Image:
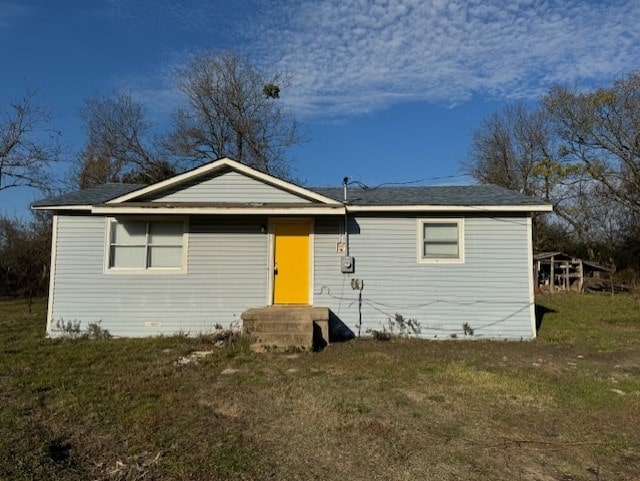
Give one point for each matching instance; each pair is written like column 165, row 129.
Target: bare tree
column 233, row 111
column 517, row 148
column 28, row 142
column 578, row 150
column 508, row 148
column 601, row 130
column 119, row 144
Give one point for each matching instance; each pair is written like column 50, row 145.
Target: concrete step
column 284, row 339
column 287, row 326
column 287, row 313
column 255, row 326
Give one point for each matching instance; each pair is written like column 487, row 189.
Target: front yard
column 565, row 407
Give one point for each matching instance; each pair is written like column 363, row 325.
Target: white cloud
column 354, row 56
column 358, row 56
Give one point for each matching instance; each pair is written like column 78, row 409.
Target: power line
column 364, row 186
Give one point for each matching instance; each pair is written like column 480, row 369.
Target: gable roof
column 134, row 198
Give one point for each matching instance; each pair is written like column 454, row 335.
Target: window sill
column 440, row 261
column 146, row 272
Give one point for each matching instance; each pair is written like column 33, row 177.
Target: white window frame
column 440, row 260
column 182, row 269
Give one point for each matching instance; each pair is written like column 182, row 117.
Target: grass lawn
column 564, row 407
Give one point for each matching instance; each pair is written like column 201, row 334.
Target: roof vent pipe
column 345, row 182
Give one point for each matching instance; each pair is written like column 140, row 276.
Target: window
column 441, row 241
column 146, row 245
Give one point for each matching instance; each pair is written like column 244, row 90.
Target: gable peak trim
column 217, row 166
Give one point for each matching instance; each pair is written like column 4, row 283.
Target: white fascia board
column 450, row 208
column 211, row 167
column 124, row 209
column 62, row 207
column 216, row 166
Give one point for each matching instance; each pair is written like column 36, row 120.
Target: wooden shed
column 555, row 271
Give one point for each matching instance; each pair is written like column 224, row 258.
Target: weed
column 68, row 328
column 73, row 330
column 397, row 327
column 381, row 335
column 466, row 328
column 220, row 336
column 96, row 331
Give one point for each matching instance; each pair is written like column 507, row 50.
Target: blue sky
column 388, row 91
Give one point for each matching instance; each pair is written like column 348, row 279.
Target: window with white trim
column 441, row 241
column 157, row 245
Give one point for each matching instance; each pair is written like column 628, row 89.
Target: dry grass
column 565, row 407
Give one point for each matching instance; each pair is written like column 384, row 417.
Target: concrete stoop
column 284, row 327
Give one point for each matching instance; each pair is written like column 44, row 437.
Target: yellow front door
column 291, row 270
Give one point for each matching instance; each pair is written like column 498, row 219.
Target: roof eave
column 450, row 208
column 109, row 209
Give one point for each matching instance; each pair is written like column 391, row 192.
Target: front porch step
column 304, row 327
column 280, row 327
column 282, row 339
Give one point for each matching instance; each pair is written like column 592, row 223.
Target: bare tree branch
column 118, row 146
column 28, row 142
column 601, row 130
column 233, row 111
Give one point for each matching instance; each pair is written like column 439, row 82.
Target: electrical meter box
column 347, row 264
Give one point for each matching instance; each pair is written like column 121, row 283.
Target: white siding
column 489, row 291
column 228, row 187
column 226, row 274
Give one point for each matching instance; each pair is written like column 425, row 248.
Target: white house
column 202, row 247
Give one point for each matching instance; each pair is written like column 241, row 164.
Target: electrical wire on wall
column 389, row 310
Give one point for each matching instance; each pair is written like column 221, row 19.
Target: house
column 560, row 271
column 203, row 247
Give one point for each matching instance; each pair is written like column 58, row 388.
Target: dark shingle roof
column 462, row 195
column 93, row 195
column 465, row 195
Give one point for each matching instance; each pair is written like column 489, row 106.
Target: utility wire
column 364, row 186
